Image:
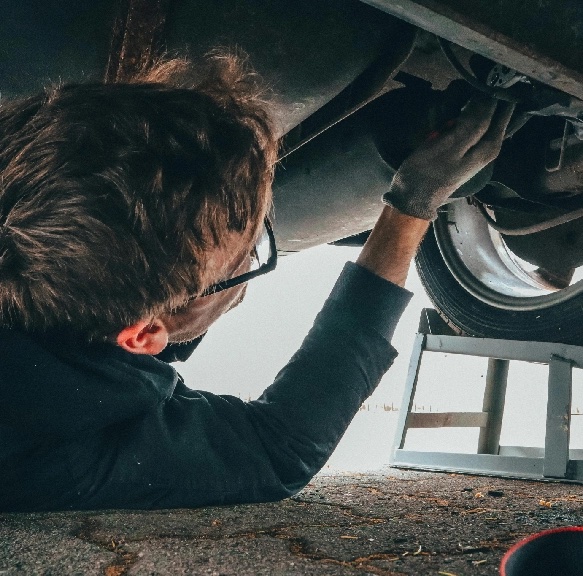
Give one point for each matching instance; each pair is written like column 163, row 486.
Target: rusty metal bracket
column 553, row 164
column 138, row 37
column 492, row 30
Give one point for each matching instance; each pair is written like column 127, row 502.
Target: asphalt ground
column 389, row 523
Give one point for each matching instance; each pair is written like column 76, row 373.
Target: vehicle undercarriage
column 357, row 86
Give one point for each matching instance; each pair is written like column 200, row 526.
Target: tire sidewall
column 466, row 314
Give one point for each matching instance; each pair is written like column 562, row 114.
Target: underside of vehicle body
column 357, row 86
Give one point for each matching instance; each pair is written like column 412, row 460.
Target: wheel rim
column 479, row 259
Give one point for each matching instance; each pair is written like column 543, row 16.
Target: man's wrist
column 415, row 203
column 392, row 245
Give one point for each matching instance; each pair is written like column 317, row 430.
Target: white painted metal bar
column 556, row 457
column 504, row 349
column 493, row 405
column 409, row 392
column 538, row 452
column 471, row 463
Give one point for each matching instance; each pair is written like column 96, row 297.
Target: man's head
column 116, row 201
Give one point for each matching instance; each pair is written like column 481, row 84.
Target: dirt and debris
column 393, row 523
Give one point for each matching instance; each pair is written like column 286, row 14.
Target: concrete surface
column 390, row 523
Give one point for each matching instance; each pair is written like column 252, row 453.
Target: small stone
column 495, row 493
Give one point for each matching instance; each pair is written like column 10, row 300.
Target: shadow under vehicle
column 359, row 85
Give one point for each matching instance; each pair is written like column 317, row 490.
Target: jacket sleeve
column 302, row 416
column 198, row 448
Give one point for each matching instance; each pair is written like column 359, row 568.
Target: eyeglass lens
column 262, row 251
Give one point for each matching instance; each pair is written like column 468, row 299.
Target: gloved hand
column 435, row 170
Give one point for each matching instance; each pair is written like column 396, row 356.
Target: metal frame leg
column 558, row 418
column 409, row 393
column 494, row 400
column 555, row 462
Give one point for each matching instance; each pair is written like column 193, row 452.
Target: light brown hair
column 111, row 194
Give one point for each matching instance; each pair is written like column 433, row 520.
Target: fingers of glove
column 469, row 128
column 472, row 125
column 488, row 148
column 445, row 163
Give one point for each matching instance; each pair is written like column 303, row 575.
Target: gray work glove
column 434, row 171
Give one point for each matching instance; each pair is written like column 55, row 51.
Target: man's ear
column 144, row 337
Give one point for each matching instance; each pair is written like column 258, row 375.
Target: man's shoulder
column 50, row 383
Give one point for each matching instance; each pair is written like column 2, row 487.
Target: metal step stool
column 555, row 461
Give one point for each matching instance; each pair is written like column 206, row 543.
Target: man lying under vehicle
column 131, row 218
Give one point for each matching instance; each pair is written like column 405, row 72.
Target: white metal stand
column 555, row 461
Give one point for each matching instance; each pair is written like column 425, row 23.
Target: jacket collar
column 57, row 384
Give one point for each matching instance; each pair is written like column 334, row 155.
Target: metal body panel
column 53, row 41
column 308, row 52
column 330, row 188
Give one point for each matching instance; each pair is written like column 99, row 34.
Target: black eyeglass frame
column 242, row 278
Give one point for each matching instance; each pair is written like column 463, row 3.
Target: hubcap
column 480, row 260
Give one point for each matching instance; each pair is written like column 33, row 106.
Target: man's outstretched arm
column 188, row 448
column 348, row 368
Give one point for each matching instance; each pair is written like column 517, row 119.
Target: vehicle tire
column 481, row 289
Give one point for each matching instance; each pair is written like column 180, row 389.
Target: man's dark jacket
column 86, row 426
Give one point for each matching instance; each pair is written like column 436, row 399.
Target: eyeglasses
column 263, row 260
